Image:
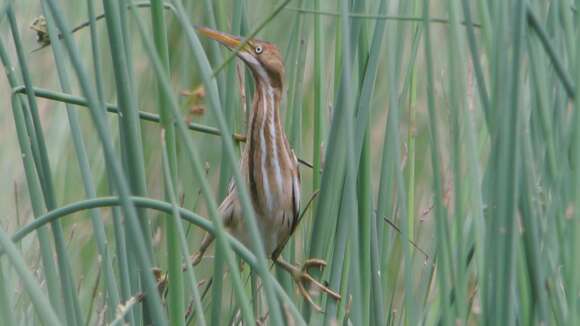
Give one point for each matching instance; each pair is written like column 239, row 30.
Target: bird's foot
column 161, row 281
column 306, row 282
column 196, row 258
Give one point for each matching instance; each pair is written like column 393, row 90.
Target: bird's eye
column 259, row 49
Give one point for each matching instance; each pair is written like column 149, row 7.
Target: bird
column 268, row 166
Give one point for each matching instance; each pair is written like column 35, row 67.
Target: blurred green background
column 450, row 179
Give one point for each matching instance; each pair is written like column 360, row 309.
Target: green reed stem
column 178, row 226
column 34, row 188
column 160, row 206
column 82, row 157
column 72, row 307
column 40, row 301
column 132, row 223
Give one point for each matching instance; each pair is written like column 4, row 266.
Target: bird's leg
column 304, row 280
column 205, row 243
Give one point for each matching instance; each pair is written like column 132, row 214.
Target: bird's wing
column 231, row 186
column 295, row 209
column 228, row 206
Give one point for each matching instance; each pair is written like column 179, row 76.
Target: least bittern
column 268, row 164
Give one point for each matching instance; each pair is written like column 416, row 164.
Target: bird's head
column 263, row 58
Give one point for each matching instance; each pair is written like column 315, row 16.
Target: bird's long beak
column 226, row 39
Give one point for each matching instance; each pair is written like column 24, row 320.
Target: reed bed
column 439, row 142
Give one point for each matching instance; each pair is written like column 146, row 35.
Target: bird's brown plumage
column 268, row 164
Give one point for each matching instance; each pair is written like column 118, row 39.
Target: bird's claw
column 305, row 281
column 313, row 263
column 196, row 259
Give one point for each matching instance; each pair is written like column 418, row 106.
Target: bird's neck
column 266, row 107
column 269, row 155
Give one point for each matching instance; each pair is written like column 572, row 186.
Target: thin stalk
column 540, row 82
column 176, row 303
column 129, row 120
column 529, row 212
column 505, row 155
column 318, row 120
column 385, row 197
column 456, row 82
column 130, row 132
column 369, row 72
column 411, row 139
column 132, row 223
column 160, row 206
column 394, row 62
column 319, row 100
column 92, row 23
column 487, row 26
column 6, row 305
column 82, row 157
column 476, row 62
column 574, row 260
column 443, row 267
column 363, row 178
column 39, row 300
column 349, row 191
column 72, row 306
column 474, row 170
column 337, row 265
column 34, row 188
column 338, row 185
column 211, row 88
column 534, row 22
column 119, row 230
column 215, row 55
column 231, row 97
column 217, row 288
column 143, row 115
column 317, row 12
column 296, row 90
column 178, row 226
column 377, row 291
column 365, row 213
column 295, row 56
column 332, row 188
